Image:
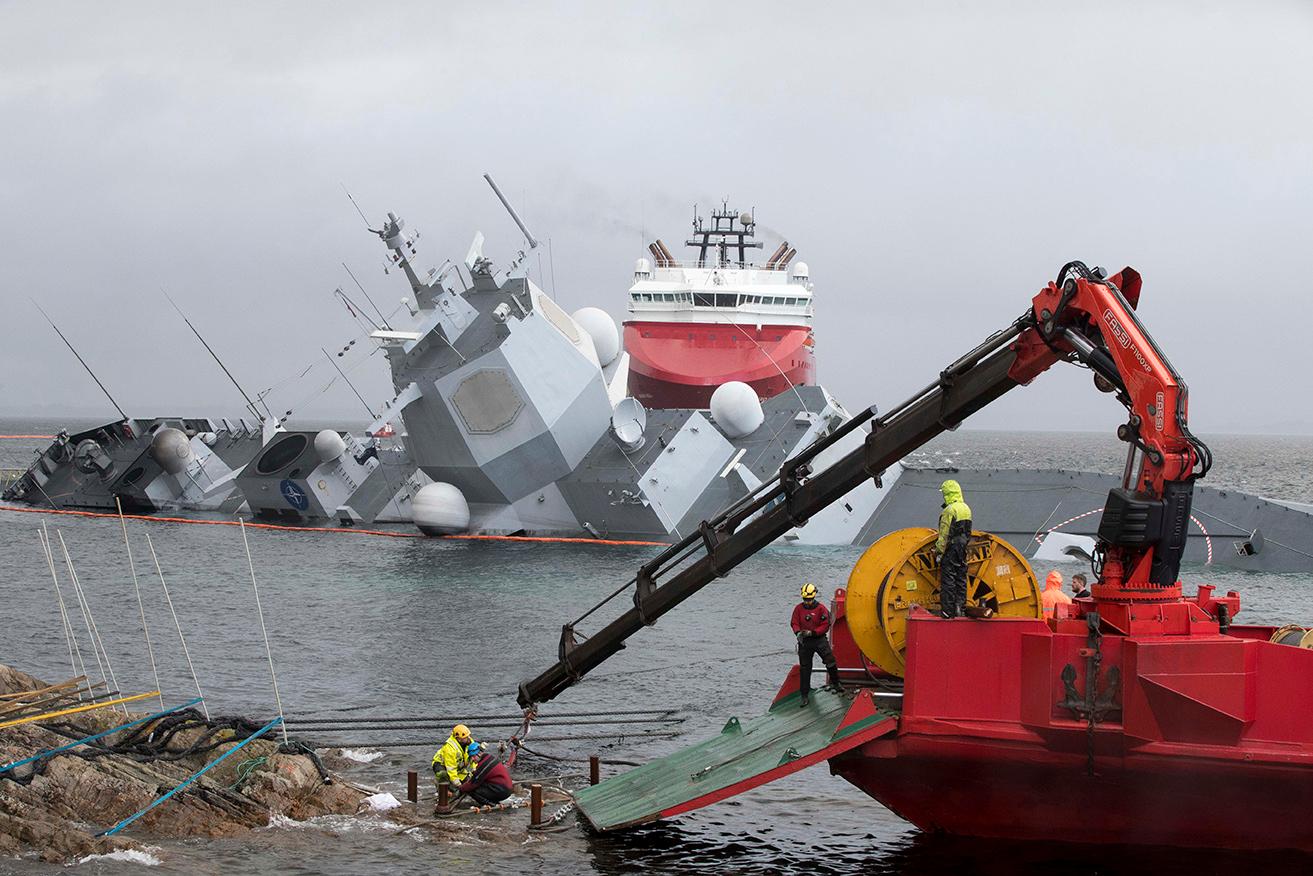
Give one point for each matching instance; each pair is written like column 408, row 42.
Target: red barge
column 1152, row 715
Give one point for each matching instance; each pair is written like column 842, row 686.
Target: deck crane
column 1084, row 317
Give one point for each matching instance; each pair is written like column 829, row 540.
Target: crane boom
column 1067, row 320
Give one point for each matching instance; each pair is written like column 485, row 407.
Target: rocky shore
column 71, row 797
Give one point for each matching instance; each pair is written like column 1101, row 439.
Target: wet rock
column 58, row 813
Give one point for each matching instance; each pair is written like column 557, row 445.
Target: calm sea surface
column 429, row 627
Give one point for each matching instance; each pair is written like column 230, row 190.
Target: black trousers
column 486, row 795
column 807, row 647
column 953, row 577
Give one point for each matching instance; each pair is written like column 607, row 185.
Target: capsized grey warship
column 526, row 417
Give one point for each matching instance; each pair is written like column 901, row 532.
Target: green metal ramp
column 745, row 755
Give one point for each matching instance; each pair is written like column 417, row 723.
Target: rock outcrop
column 58, row 812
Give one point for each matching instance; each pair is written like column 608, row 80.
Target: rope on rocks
column 192, row 778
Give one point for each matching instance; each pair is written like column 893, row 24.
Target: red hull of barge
column 1206, row 741
column 680, row 364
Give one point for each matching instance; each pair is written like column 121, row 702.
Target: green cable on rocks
column 245, row 769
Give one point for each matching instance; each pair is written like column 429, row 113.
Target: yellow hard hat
column 809, row 591
column 460, row 731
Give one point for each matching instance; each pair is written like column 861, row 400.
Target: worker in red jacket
column 489, row 781
column 811, row 621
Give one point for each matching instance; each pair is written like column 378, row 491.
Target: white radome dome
column 801, row 271
column 440, row 509
column 736, row 409
column 601, row 328
column 171, row 449
column 329, row 445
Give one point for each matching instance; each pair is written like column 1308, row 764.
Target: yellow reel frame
column 902, row 569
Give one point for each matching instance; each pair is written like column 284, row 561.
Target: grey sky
column 934, row 168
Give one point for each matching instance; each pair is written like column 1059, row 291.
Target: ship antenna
column 366, row 294
column 357, row 206
column 533, row 241
column 80, row 359
column 249, row 404
column 342, row 374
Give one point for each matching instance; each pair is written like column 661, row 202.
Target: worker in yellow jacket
column 452, row 760
column 954, row 535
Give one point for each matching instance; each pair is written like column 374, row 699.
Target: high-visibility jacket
column 1053, row 596
column 453, row 759
column 956, row 516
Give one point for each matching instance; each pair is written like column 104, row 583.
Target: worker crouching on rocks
column 452, row 761
column 489, row 781
column 811, row 621
column 954, row 535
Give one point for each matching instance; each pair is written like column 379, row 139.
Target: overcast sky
column 933, row 164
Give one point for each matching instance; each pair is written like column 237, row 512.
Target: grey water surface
column 409, row 626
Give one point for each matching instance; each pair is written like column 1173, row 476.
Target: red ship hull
column 679, row 364
column 1201, row 739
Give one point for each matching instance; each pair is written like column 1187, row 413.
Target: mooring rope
column 264, row 632
column 185, row 653
column 69, row 632
column 92, row 633
column 141, row 607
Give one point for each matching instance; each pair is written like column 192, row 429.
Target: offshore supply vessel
column 1152, row 714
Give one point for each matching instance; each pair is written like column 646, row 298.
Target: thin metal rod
column 250, row 404
column 533, row 241
column 141, row 607
column 367, row 297
column 63, row 611
column 87, row 618
column 333, row 362
column 81, row 360
column 259, row 611
column 185, row 653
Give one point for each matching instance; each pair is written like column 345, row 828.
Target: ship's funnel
column 775, row 256
column 670, row 260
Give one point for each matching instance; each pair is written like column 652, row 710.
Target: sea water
column 409, row 627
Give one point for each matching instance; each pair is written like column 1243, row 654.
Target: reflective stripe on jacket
column 955, row 511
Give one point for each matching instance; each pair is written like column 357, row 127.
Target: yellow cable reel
column 902, row 569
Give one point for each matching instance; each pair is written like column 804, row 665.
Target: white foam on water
column 131, row 856
column 335, row 823
column 360, row 755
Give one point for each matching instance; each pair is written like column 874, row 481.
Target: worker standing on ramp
column 811, row 621
column 954, row 534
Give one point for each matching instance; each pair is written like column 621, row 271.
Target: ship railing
column 692, row 264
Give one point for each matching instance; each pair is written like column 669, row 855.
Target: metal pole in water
column 259, row 611
column 86, row 619
column 177, row 626
column 535, row 805
column 412, row 786
column 150, row 649
column 444, row 794
column 594, row 769
column 59, row 596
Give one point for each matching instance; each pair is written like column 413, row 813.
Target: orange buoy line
column 344, row 530
column 21, row 437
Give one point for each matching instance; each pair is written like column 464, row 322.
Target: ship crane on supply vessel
column 1084, row 317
